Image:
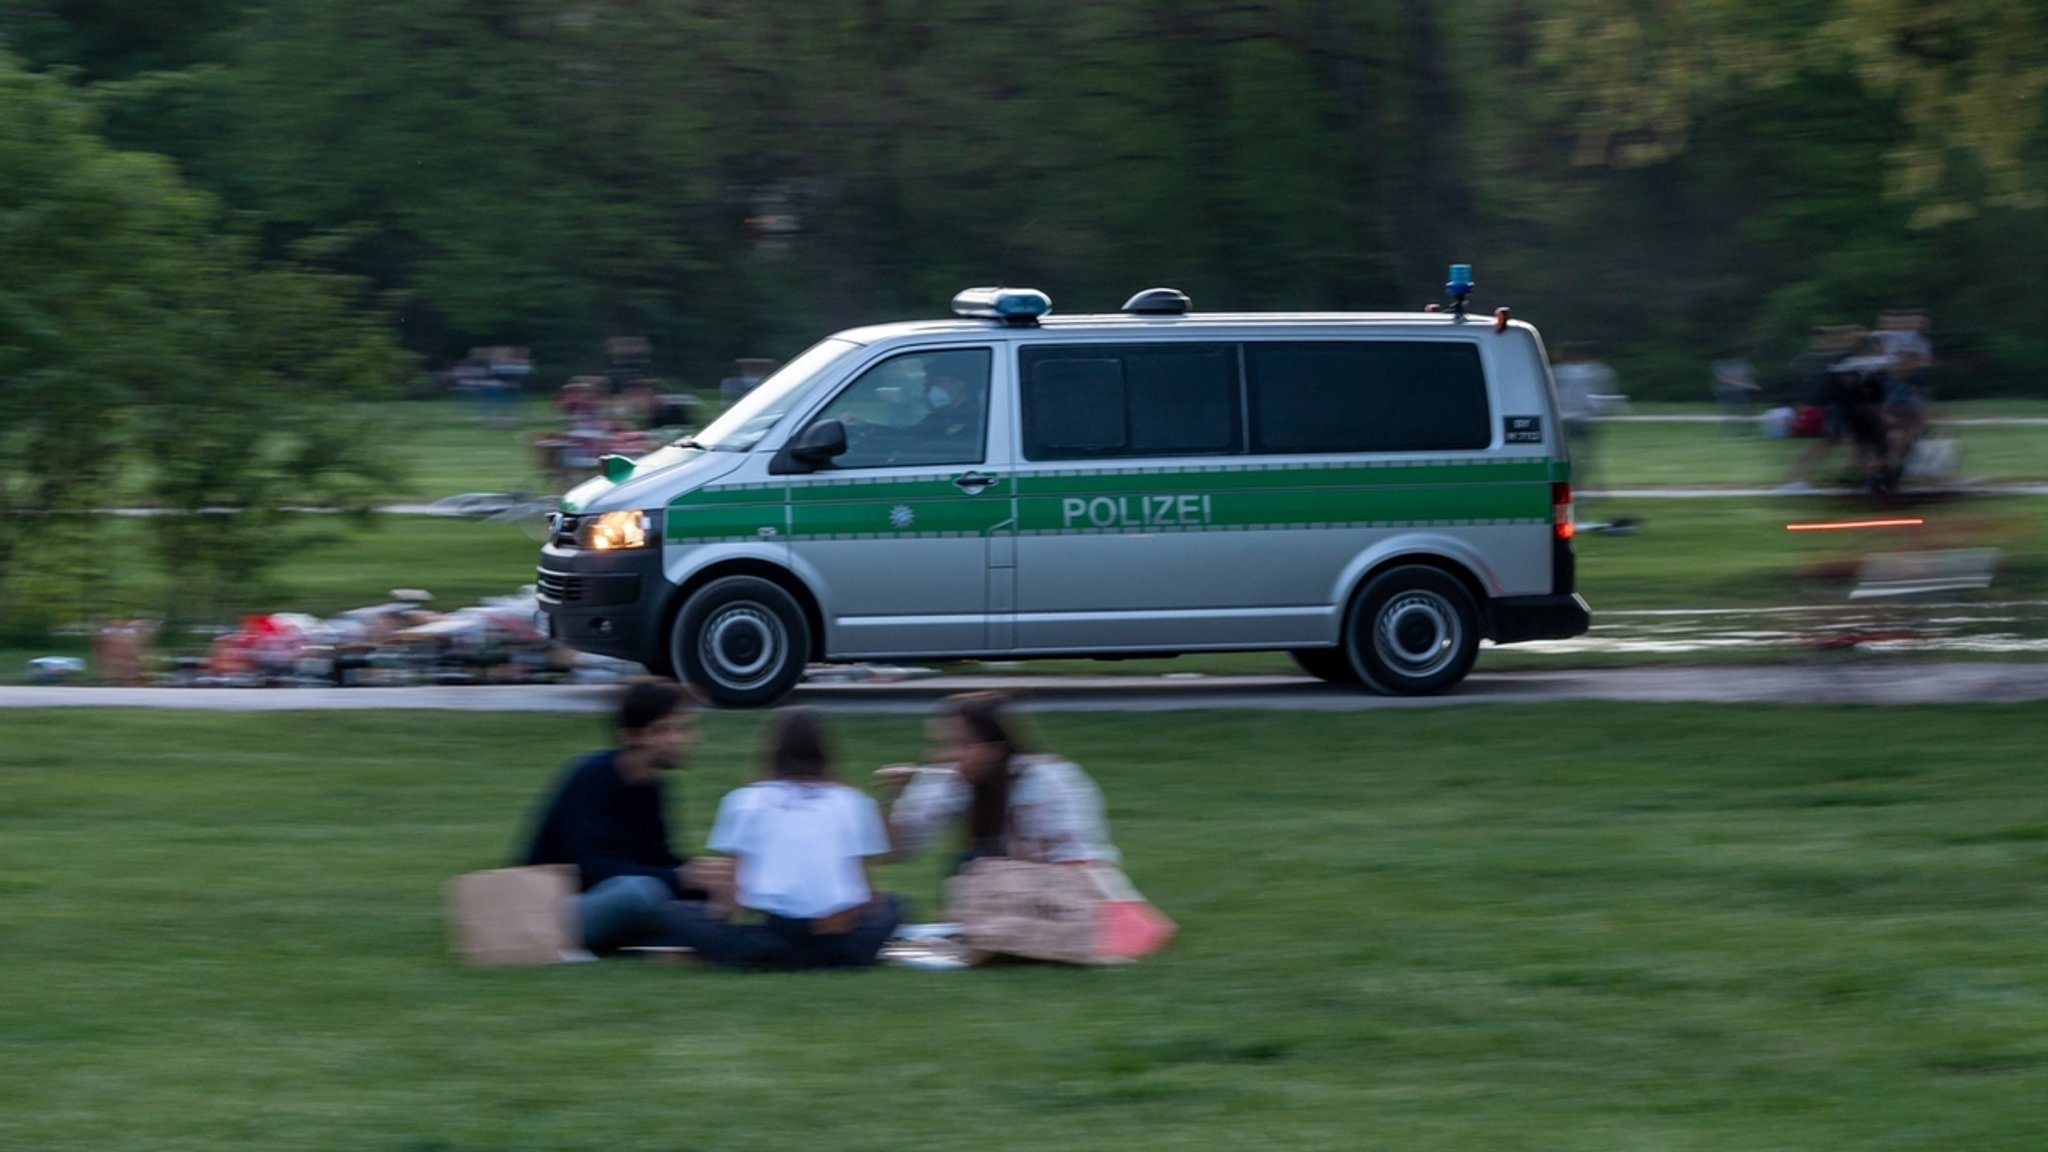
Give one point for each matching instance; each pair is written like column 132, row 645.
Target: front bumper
column 1519, row 618
column 609, row 603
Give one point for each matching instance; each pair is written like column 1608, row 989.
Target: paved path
column 1703, row 492
column 1823, row 682
column 1678, row 418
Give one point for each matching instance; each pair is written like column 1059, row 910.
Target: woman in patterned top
column 1004, row 800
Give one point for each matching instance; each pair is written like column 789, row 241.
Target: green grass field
column 1686, row 455
column 1689, row 553
column 1588, row 927
column 446, row 450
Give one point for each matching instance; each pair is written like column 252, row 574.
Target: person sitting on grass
column 803, row 843
column 608, row 817
column 1002, row 800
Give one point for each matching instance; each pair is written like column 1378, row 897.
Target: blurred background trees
column 149, row 355
column 225, row 221
column 1673, row 180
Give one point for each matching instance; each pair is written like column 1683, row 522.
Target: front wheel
column 743, row 641
column 1413, row 632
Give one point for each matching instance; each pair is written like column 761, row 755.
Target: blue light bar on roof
column 1010, row 305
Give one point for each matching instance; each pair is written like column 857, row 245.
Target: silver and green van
column 1372, row 493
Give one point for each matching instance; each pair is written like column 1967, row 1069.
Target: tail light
column 1561, row 509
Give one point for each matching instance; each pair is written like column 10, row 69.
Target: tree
column 1665, row 176
column 137, row 337
column 1690, row 178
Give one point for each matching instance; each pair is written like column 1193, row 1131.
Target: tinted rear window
column 1367, row 396
column 1088, row 401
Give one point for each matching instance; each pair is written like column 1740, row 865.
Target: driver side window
column 918, row 408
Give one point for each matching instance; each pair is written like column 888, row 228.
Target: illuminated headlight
column 615, row 530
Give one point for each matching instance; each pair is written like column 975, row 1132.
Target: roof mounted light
column 1459, row 287
column 1010, row 305
column 1158, row 302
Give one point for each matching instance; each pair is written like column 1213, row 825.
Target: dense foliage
column 149, row 356
column 218, row 215
column 1672, row 180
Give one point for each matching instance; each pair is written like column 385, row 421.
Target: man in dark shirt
column 608, row 817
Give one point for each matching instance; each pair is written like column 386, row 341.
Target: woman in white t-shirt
column 803, row 844
column 1003, row 800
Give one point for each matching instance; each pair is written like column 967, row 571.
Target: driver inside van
column 953, row 400
column 955, row 391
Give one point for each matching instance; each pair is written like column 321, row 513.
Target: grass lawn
column 1739, row 553
column 1691, row 553
column 1676, row 928
column 1683, row 455
column 1999, row 406
column 1688, row 554
column 459, row 561
column 448, row 450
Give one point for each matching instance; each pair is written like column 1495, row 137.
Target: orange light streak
column 1843, row 525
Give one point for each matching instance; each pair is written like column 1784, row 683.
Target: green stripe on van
column 1238, row 499
column 1130, row 499
column 733, row 512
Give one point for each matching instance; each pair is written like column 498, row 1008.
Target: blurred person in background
column 1581, row 383
column 581, row 400
column 804, row 845
column 1862, row 382
column 1902, row 334
column 750, row 372
column 608, row 816
column 469, row 378
column 571, row 452
column 626, row 359
column 1819, row 397
column 637, row 406
column 986, row 787
column 505, row 374
column 1735, row 392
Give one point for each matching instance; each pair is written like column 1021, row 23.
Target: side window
column 1094, row 401
column 918, row 408
column 1367, row 396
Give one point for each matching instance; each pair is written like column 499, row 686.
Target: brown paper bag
column 515, row 916
column 1070, row 913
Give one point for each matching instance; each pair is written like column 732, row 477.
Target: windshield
column 754, row 414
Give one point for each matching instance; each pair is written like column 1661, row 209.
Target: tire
column 742, row 641
column 1331, row 664
column 1414, row 631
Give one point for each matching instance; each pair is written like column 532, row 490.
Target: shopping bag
column 1127, row 926
column 1069, row 913
column 515, row 916
column 1933, row 459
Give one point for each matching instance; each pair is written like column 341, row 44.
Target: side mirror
column 816, row 446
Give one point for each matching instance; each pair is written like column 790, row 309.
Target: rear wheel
column 1414, row 631
column 1331, row 664
column 742, row 641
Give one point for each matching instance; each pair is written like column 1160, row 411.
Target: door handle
column 973, row 482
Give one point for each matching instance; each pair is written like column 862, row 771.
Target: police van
column 1371, row 493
